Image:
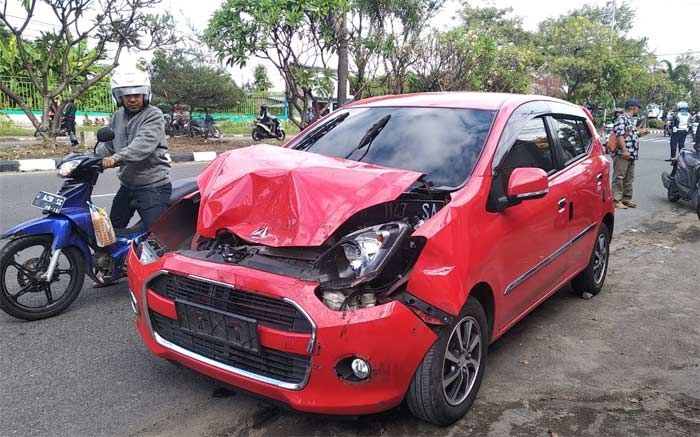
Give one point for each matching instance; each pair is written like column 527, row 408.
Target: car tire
column 592, row 278
column 426, row 397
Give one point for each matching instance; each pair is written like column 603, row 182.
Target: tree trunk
column 342, row 59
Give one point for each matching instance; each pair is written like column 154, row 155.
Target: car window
column 442, row 143
column 571, row 140
column 532, row 148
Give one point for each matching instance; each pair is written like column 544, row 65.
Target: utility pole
column 612, row 23
column 342, row 75
column 612, row 38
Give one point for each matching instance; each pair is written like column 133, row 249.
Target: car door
column 583, row 176
column 534, row 231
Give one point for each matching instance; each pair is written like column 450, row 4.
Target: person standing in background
column 69, row 115
column 626, row 154
column 679, row 129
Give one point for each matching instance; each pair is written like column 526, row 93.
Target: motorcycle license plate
column 239, row 331
column 49, row 202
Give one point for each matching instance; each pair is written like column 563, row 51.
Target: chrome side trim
column 312, row 341
column 221, row 366
column 225, row 367
column 526, row 196
column 545, row 262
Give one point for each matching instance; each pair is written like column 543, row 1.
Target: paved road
column 86, row 371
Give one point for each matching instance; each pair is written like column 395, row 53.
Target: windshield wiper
column 369, row 136
column 320, row 131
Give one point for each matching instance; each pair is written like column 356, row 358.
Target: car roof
column 462, row 100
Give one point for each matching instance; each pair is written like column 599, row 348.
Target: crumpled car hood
column 283, row 197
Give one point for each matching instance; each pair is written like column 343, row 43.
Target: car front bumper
column 389, row 336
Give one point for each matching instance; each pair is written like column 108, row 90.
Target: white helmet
column 682, row 105
column 126, row 82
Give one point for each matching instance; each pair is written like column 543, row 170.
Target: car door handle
column 561, row 205
column 599, row 178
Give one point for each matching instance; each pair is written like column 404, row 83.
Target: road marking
column 204, row 156
column 36, row 164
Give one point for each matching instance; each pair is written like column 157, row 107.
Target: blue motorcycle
column 44, row 263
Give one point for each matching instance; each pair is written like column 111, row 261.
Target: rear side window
column 574, row 138
column 531, row 149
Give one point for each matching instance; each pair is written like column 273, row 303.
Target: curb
column 29, row 165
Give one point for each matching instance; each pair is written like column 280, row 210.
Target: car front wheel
column 592, row 278
column 447, row 381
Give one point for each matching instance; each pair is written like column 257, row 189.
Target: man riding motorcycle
column 272, row 122
column 139, row 150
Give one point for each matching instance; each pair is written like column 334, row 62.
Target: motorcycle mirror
column 105, row 134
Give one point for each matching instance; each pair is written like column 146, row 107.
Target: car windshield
column 443, row 143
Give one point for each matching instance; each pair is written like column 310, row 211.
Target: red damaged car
column 375, row 257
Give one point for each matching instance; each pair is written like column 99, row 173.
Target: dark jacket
column 69, row 111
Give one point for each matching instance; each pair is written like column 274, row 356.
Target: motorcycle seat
column 182, row 187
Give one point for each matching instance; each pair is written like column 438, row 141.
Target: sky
column 667, row 24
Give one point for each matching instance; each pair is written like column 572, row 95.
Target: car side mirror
column 527, row 183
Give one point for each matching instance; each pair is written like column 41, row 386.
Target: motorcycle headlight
column 64, row 170
column 360, row 257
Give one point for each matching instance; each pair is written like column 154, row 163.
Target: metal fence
column 95, row 99
column 98, row 99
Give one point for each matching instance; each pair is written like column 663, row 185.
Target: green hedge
column 655, row 123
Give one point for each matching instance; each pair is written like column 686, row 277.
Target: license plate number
column 238, row 331
column 49, row 202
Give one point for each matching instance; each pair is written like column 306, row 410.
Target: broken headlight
column 360, row 257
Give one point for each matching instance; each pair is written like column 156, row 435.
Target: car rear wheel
column 447, row 381
column 592, row 278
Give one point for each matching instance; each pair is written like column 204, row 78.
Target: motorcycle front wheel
column 22, row 293
column 256, row 135
column 280, row 134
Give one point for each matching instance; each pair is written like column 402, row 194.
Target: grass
column 9, row 129
column 89, row 128
column 244, row 128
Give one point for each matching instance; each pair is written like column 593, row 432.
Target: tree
column 290, row 34
column 603, row 15
column 262, row 82
column 69, row 60
column 404, row 23
column 178, row 78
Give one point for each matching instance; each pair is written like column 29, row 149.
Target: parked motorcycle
column 684, row 180
column 177, row 126
column 262, row 131
column 606, row 136
column 42, row 266
column 204, row 128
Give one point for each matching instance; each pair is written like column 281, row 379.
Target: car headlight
column 64, row 170
column 147, row 253
column 360, row 256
